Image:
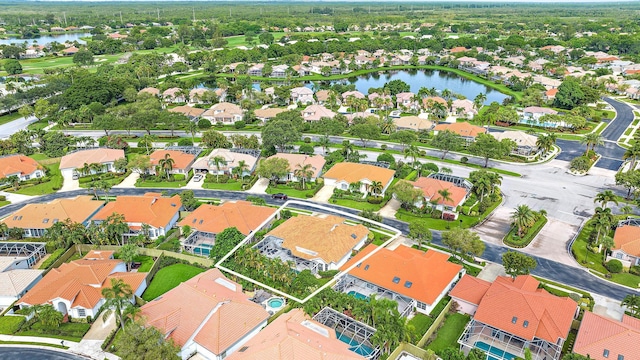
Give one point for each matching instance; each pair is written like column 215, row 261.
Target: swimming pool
column 202, row 249
column 494, row 353
column 354, row 345
column 358, row 296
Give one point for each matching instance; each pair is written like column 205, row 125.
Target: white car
column 197, row 177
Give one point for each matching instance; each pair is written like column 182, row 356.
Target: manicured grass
column 110, row 178
column 32, row 343
column 146, row 262
column 360, row 205
column 4, row 203
column 512, row 239
column 448, row 334
column 160, row 184
column 232, row 186
column 10, row 324
column 437, row 224
column 66, row 331
column 290, row 191
column 45, row 187
column 421, row 323
column 9, row 117
column 169, row 277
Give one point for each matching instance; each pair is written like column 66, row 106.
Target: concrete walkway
column 15, row 198
column 129, row 181
column 37, row 339
column 323, row 195
column 260, row 187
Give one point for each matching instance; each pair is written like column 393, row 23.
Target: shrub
column 306, row 149
column 3, row 198
column 635, row 270
column 383, row 147
column 240, row 124
column 436, row 214
column 374, row 199
column 386, row 158
column 185, row 142
column 615, row 266
column 431, row 167
column 204, row 124
column 464, row 160
column 307, row 140
column 52, row 258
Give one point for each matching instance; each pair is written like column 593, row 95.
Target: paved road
column 549, row 269
column 16, row 353
column 14, row 126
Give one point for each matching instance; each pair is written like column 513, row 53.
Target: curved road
column 549, row 269
column 13, row 353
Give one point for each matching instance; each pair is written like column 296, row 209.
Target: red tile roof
column 17, row 164
column 430, row 188
column 242, row 215
column 627, row 239
column 598, row 333
column 462, row 129
column 470, row 289
column 151, row 209
column 427, row 274
column 182, row 161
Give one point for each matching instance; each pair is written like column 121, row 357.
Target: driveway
column 68, row 184
column 324, row 194
column 192, row 184
column 552, row 242
column 496, row 226
column 129, row 181
column 15, row 198
column 260, row 187
column 390, row 209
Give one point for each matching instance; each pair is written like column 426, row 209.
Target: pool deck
column 514, row 351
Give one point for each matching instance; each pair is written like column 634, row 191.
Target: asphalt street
column 16, row 353
column 14, row 126
column 551, row 270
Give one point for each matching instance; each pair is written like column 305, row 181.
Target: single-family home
column 196, row 95
column 626, row 246
column 255, row 70
column 303, row 95
column 35, row 219
column 604, row 338
column 191, row 112
column 174, row 95
column 227, row 160
column 295, row 335
column 341, row 175
column 15, row 283
column 432, row 189
column 463, row 108
column 550, row 94
column 181, row 161
column 208, row 315
column 299, row 161
column 315, row 243
column 322, row 97
column 536, row 112
column 224, row 112
column 24, row 167
column 317, row 112
column 150, row 90
column 384, row 103
column 526, row 145
column 415, row 123
column 463, row 129
column 265, row 115
column 279, row 71
column 151, row 212
column 510, row 315
column 74, row 162
column 406, row 100
column 70, row 50
column 355, row 94
column 415, row 279
column 75, row 288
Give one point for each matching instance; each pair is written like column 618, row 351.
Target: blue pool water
column 354, row 345
column 202, row 249
column 494, row 353
column 275, row 303
column 358, row 296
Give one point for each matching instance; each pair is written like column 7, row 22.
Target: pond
column 416, row 79
column 46, row 39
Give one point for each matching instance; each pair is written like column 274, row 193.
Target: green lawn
column 4, row 203
column 146, row 262
column 290, row 191
column 169, row 277
column 10, row 324
column 66, row 331
column 448, row 334
column 233, row 186
column 360, row 205
column 421, row 323
column 160, row 184
column 9, row 117
column 45, row 187
column 32, row 343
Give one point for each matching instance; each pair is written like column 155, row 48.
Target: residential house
column 192, row 113
column 432, row 187
column 510, row 315
column 15, row 283
column 230, row 161
column 207, row 315
column 550, row 94
column 317, row 112
column 536, row 112
column 626, row 246
column 343, row 174
column 465, row 130
column 315, row 243
column 415, row 279
column 224, row 112
column 150, row 90
column 303, row 95
column 71, row 50
column 386, row 102
column 150, row 212
column 406, row 100
column 603, row 338
column 279, row 71
column 295, row 334
column 181, row 161
column 75, row 288
column 196, row 95
column 265, row 115
column 24, row 167
column 174, row 95
column 255, row 70
column 458, row 49
column 322, row 97
column 356, row 94
column 526, row 145
column 75, row 161
column 298, row 161
column 415, row 123
column 35, row 219
column 464, row 108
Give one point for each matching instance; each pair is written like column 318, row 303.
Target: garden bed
column 513, row 240
column 110, row 178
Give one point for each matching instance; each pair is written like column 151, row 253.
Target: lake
column 416, row 79
column 46, row 39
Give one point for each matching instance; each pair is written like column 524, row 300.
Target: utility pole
column 64, row 13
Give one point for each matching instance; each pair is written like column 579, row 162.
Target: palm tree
column 606, row 197
column 412, row 151
column 217, row 161
column 632, row 302
column 86, row 169
column 632, row 155
column 303, row 172
column 324, row 142
column 626, row 210
column 4, row 230
column 602, row 221
column 147, row 140
column 166, row 164
column 118, row 298
column 592, row 140
column 14, row 180
column 387, row 126
column 523, row 217
column 546, row 142
column 479, row 100
column 105, row 186
column 376, row 188
column 95, row 168
column 445, row 195
column 192, row 128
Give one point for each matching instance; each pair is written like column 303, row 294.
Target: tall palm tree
column 118, row 298
column 148, row 141
column 632, row 302
column 217, row 161
column 445, row 195
column 546, row 142
column 242, row 167
column 592, row 140
column 95, row 168
column 192, row 128
column 167, row 164
column 86, row 169
column 479, row 100
column 632, row 155
column 413, row 152
column 376, row 188
column 387, row 126
column 324, row 142
column 303, row 172
column 523, row 217
column 606, row 197
column 602, row 221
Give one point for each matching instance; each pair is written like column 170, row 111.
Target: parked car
column 279, row 196
column 75, row 176
column 197, row 177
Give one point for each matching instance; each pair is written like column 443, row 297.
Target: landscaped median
column 513, row 239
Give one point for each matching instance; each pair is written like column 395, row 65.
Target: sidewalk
column 15, row 198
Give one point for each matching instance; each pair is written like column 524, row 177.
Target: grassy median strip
column 512, row 239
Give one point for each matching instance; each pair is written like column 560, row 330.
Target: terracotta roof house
column 188, row 111
column 75, row 288
column 315, row 243
column 411, row 277
column 231, row 161
column 182, row 161
column 550, row 94
column 74, row 162
column 431, row 188
column 70, row 50
column 303, row 95
column 24, row 167
column 224, row 112
column 526, row 145
column 207, row 314
column 174, row 95
column 356, row 94
column 467, row 131
column 322, row 96
column 413, row 123
column 341, row 175
column 626, row 246
column 457, row 49
column 603, row 338
column 35, row 219
column 265, row 115
column 150, row 90
column 209, row 220
column 510, row 315
column 159, row 213
column 317, row 112
column 295, row 336
column 297, row 161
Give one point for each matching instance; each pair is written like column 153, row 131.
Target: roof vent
column 396, row 280
column 514, row 320
column 44, row 221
